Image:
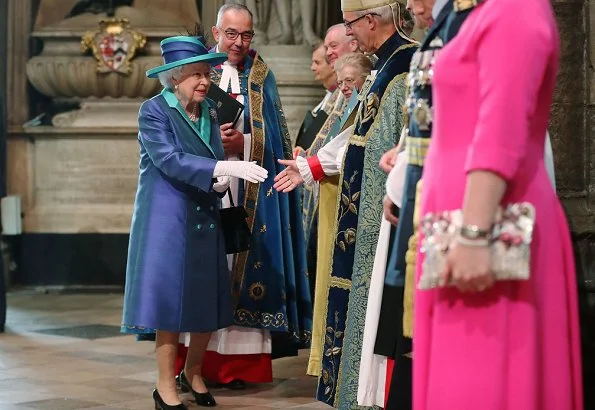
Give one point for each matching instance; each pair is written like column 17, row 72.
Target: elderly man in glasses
column 269, row 283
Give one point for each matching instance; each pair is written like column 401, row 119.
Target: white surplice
column 372, row 370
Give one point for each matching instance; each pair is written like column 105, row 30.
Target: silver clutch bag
column 510, row 244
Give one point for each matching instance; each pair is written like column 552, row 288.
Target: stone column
column 18, row 30
column 5, row 278
column 208, row 14
column 19, row 27
column 3, row 52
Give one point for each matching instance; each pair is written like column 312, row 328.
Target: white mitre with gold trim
column 359, row 5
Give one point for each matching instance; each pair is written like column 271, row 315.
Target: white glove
column 222, row 184
column 246, row 170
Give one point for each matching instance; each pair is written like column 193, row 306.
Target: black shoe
column 161, row 405
column 235, row 384
column 202, row 399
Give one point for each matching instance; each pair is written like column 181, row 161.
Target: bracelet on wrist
column 473, row 243
column 474, row 232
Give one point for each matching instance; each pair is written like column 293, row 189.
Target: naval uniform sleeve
column 510, row 76
column 157, row 138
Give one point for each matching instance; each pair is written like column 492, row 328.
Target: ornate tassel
column 410, row 259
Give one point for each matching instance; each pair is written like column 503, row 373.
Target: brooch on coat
column 422, row 113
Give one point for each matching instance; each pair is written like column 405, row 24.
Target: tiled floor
column 65, row 352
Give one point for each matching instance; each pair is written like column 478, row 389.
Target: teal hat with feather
column 181, row 50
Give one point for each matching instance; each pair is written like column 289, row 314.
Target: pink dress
column 515, row 346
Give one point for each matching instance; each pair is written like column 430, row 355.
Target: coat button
column 199, row 227
column 198, row 208
column 212, row 226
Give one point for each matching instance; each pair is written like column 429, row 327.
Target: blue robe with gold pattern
column 269, row 283
column 359, row 214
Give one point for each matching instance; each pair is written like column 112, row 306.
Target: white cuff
column 304, row 168
column 395, row 183
column 247, row 146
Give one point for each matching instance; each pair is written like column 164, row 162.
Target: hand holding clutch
column 222, row 184
column 509, row 248
column 246, row 170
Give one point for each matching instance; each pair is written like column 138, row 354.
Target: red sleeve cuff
column 315, row 168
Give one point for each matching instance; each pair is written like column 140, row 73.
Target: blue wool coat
column 177, row 277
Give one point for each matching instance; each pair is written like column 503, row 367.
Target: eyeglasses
column 349, row 24
column 232, row 35
column 349, row 82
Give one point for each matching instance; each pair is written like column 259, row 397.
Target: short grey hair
column 392, row 14
column 356, row 60
column 232, row 6
column 166, row 77
column 336, row 26
column 384, row 13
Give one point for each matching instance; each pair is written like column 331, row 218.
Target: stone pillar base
column 101, row 113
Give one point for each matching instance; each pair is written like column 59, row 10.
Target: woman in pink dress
column 486, row 345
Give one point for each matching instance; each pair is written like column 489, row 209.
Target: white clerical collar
column 226, row 62
column 438, row 6
column 230, row 80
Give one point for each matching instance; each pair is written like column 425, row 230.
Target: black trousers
column 401, row 386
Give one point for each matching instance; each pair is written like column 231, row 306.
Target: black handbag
column 236, row 231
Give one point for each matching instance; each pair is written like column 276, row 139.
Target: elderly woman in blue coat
column 177, row 279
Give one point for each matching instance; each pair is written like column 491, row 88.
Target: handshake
column 246, row 170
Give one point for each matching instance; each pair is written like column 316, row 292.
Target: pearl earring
column 176, row 87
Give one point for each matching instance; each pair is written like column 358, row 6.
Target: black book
column 306, row 138
column 228, row 108
column 308, row 119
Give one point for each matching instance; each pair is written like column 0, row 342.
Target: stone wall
column 572, row 125
column 573, row 130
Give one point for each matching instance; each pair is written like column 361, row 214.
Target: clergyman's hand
column 388, row 160
column 389, row 207
column 232, row 139
column 288, row 179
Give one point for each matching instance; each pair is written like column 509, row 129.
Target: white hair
column 232, row 6
column 393, row 14
column 384, row 13
column 337, row 26
column 166, row 77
